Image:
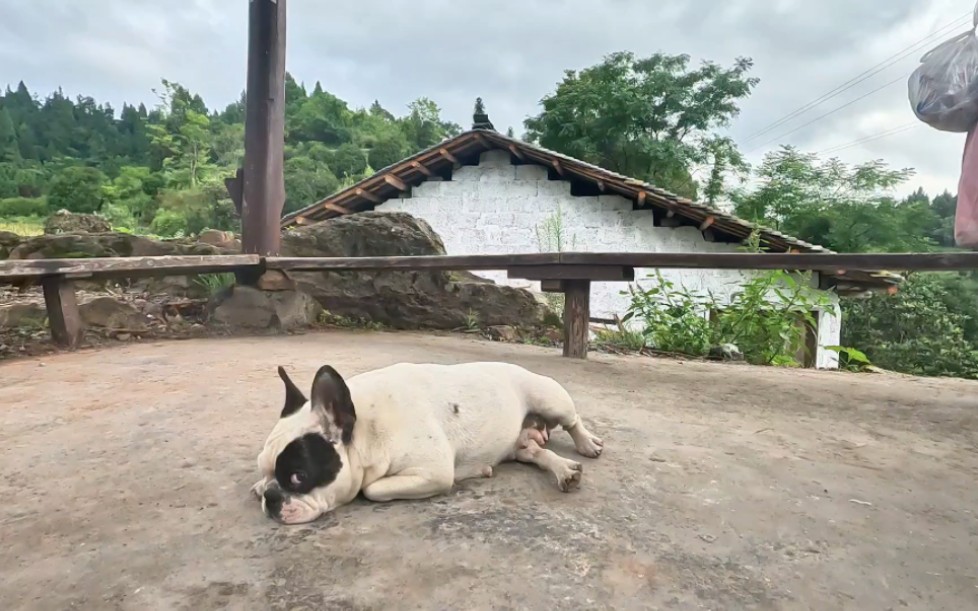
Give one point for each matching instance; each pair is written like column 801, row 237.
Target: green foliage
column 652, row 118
column 766, row 317
column 214, row 283
column 551, row 238
column 23, row 206
column 923, row 329
column 850, row 358
column 77, row 189
column 163, row 169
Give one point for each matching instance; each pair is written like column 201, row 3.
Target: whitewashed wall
column 497, row 207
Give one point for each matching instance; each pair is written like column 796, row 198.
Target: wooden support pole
column 263, row 189
column 577, row 313
column 63, row 315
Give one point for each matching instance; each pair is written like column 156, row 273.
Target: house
column 485, row 193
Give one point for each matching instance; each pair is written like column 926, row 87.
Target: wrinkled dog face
column 305, row 461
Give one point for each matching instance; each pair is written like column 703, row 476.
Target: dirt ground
column 125, row 476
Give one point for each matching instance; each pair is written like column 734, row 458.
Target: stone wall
column 497, row 207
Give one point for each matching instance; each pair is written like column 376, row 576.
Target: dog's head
column 305, row 464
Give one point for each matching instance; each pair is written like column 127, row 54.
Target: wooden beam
column 640, row 199
column 126, row 267
column 300, row 220
column 395, row 182
column 444, row 153
column 707, row 222
column 336, row 208
column 482, row 140
column 370, row 197
column 600, row 273
column 557, row 167
column 552, row 286
column 429, row 262
column 577, row 312
column 423, row 169
column 63, row 315
column 832, row 263
column 601, row 187
column 263, row 188
column 516, row 152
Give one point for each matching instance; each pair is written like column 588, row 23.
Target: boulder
column 113, row 315
column 70, row 222
column 401, row 300
column 22, row 315
column 110, row 244
column 221, row 239
column 251, row 308
column 8, row 241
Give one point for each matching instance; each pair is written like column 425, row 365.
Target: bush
column 169, row 224
column 766, row 318
column 923, row 329
column 23, row 206
column 77, row 189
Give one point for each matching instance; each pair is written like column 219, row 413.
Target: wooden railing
column 569, row 273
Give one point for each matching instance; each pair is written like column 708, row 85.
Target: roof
column 438, row 160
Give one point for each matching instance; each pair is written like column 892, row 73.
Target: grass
column 23, row 226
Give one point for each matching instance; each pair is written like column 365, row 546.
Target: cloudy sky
column 513, row 53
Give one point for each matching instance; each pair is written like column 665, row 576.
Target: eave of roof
column 397, row 178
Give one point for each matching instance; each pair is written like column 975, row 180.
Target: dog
column 411, row 431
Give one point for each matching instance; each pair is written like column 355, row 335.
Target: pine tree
column 9, row 149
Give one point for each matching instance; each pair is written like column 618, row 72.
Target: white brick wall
column 496, row 208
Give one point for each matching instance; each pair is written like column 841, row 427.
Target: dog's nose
column 273, row 500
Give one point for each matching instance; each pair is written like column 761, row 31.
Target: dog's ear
column 294, row 399
column 331, row 396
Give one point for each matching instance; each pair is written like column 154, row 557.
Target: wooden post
column 63, row 315
column 263, row 184
column 577, row 313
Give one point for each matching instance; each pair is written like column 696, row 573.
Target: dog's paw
column 569, row 476
column 590, row 446
column 487, row 471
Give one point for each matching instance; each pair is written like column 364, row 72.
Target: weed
column 214, row 283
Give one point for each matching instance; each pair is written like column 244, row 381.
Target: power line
column 871, row 138
column 899, row 55
column 833, row 111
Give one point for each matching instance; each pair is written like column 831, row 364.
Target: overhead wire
column 870, row 138
column 886, row 63
column 831, row 112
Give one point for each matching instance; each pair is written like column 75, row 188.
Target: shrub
column 766, row 318
column 23, row 206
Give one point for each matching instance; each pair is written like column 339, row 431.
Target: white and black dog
column 410, row 431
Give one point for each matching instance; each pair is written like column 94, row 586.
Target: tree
column 651, row 118
column 845, row 208
column 9, row 146
column 77, row 189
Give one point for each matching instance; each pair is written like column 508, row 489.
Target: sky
column 513, row 53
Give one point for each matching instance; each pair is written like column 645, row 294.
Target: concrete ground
column 125, row 479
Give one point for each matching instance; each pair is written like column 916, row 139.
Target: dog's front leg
column 410, row 484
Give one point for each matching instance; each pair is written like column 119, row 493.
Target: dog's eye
column 297, row 478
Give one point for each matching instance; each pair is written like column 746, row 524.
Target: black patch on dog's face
column 307, row 463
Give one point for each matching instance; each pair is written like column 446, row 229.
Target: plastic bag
column 966, row 213
column 943, row 90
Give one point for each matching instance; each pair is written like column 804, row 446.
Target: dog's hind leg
column 411, row 484
column 554, row 404
column 567, row 472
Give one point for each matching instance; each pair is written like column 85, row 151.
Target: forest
column 661, row 118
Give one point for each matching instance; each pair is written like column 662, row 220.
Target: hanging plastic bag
column 943, row 90
column 966, row 213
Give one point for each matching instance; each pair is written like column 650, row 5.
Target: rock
column 22, row 315
column 275, row 280
column 404, row 299
column 69, row 222
column 503, row 333
column 114, row 315
column 215, row 237
column 75, row 245
column 250, row 308
column 8, row 241
column 726, row 352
